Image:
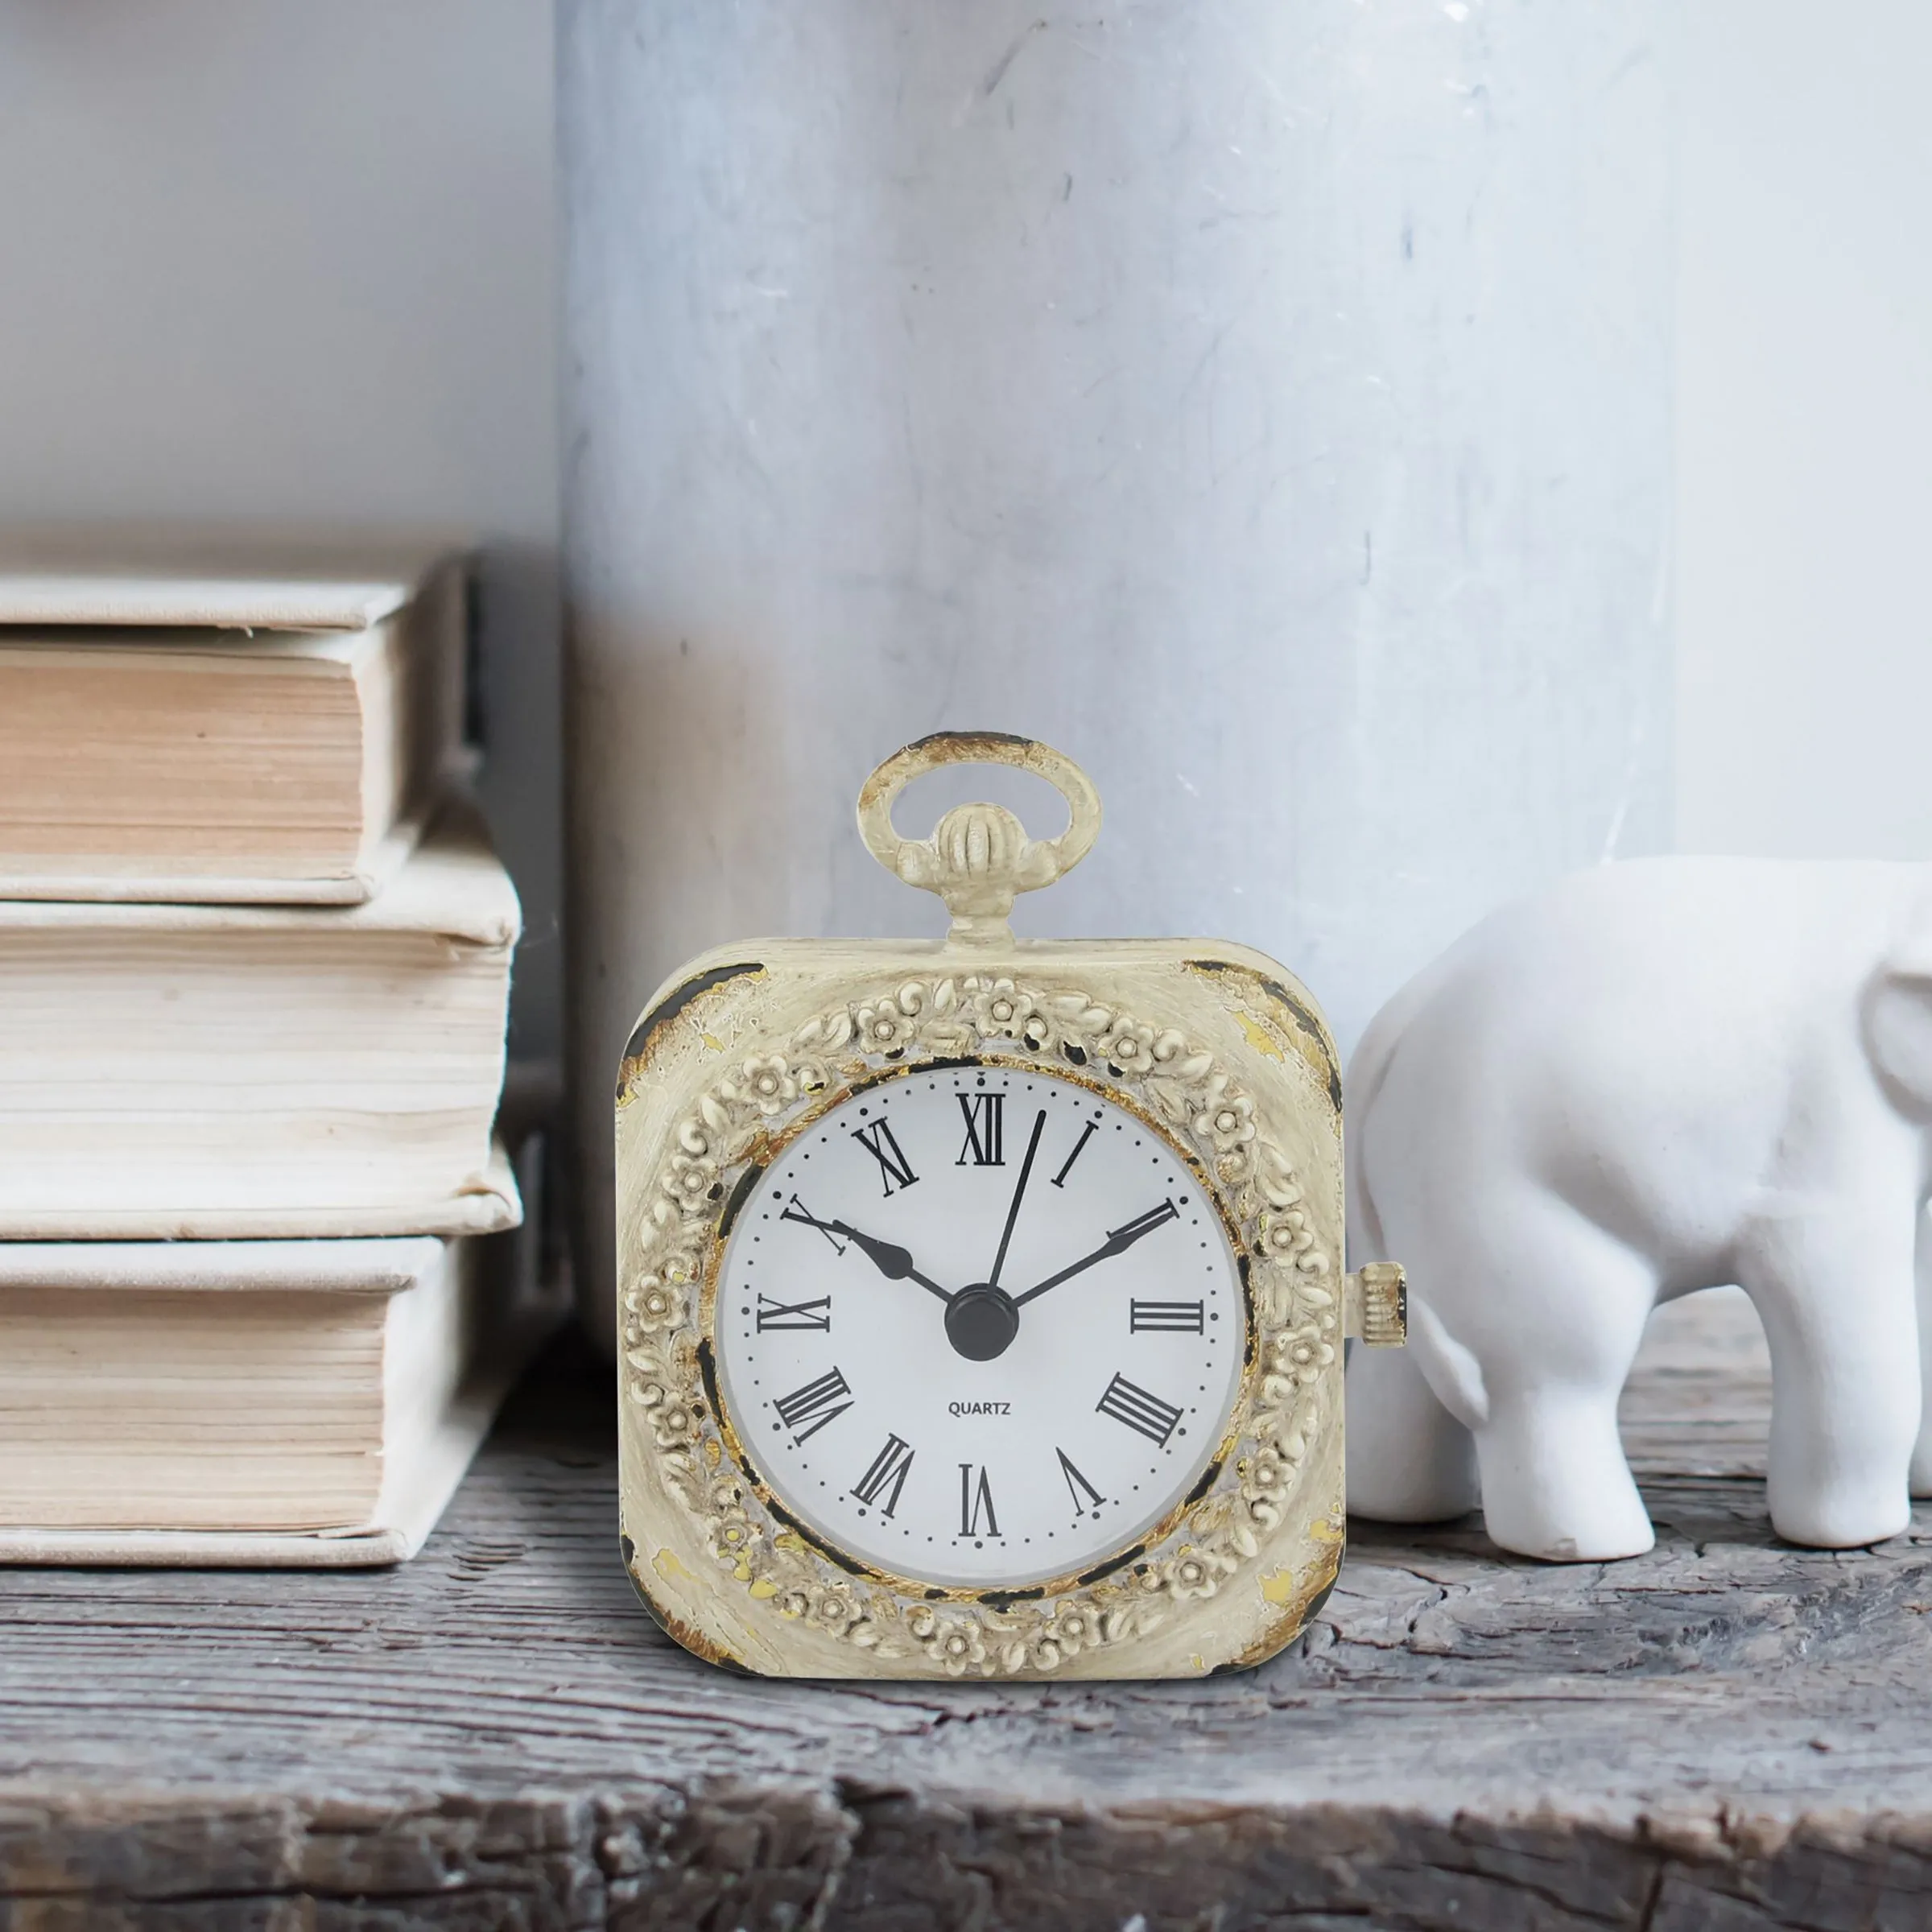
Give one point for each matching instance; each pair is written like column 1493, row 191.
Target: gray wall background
column 263, row 260
column 1804, row 425
column 267, row 259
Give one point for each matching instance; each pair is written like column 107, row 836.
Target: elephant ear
column 1898, row 1018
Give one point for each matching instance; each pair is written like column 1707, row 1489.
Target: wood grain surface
column 1726, row 1733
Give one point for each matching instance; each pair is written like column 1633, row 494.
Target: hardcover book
column 198, row 1072
column 232, row 735
column 249, row 1402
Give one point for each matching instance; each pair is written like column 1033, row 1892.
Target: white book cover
column 215, row 1072
column 190, row 575
column 307, row 1404
column 192, row 719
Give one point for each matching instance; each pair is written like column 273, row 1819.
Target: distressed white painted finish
column 1266, row 404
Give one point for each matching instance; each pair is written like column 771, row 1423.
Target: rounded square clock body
column 981, row 1300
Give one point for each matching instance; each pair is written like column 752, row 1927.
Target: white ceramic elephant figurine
column 1661, row 1075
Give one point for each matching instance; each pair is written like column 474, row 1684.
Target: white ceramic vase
column 1267, row 404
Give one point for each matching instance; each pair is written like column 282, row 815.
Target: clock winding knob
column 1375, row 1305
column 979, row 855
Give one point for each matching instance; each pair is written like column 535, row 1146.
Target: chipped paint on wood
column 669, row 1005
column 1277, row 1586
column 1259, row 1038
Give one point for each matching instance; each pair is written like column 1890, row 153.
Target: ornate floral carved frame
column 1265, row 1517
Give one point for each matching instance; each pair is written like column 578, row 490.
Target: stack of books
column 254, row 975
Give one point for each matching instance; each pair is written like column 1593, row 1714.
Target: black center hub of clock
column 981, row 1322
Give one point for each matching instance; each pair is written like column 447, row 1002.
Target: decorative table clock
column 980, row 1300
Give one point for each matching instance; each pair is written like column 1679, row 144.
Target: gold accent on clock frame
column 749, row 1046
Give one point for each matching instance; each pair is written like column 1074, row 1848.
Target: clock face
column 980, row 1327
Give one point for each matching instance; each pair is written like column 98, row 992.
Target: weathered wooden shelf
column 1727, row 1733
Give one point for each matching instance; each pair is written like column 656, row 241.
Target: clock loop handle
column 979, row 856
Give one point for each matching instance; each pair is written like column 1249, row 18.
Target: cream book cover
column 194, row 575
column 199, row 1072
column 311, row 1403
column 184, row 724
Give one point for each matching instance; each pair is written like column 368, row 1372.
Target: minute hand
column 1117, row 1243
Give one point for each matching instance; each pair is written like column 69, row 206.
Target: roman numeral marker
column 817, row 1404
column 1145, row 1224
column 975, row 1500
column 795, row 1210
column 1146, row 1414
column 986, row 1130
column 1177, row 1318
column 889, row 1465
column 1086, row 1133
column 1085, row 1496
column 795, row 1314
column 895, row 1169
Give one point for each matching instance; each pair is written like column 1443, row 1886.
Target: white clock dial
column 980, row 1327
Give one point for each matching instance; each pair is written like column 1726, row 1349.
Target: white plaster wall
column 266, row 258
column 270, row 260
column 1804, row 425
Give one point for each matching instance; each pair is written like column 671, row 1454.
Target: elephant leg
column 1555, row 1482
column 1409, row 1460
column 1533, row 1317
column 1836, row 1296
column 1920, row 1483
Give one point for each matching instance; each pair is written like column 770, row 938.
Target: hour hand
column 1117, row 1242
column 892, row 1260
